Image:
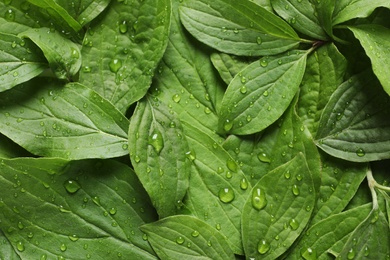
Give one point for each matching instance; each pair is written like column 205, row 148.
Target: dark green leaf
column 375, row 40
column 158, row 152
column 266, row 4
column 186, row 237
column 63, row 55
column 278, row 210
column 122, row 49
column 9, row 149
column 71, row 122
column 324, row 10
column 7, row 251
column 354, row 124
column 260, row 93
column 244, row 29
column 84, row 209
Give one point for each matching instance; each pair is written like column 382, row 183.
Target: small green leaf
column 71, row 122
column 278, row 210
column 158, row 152
column 354, row 124
column 260, row 93
column 375, row 40
column 244, row 29
column 186, row 237
column 53, row 208
column 63, row 55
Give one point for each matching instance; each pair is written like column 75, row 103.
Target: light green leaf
column 301, row 16
column 346, row 10
column 218, row 188
column 375, row 40
column 63, row 55
column 122, row 49
column 261, row 92
column 71, row 122
column 83, row 209
column 158, row 152
column 370, row 239
column 19, row 61
column 323, row 236
column 266, row 4
column 278, row 210
column 245, row 29
column 13, row 19
column 7, row 251
column 325, row 71
column 186, row 237
column 354, row 124
column 57, row 12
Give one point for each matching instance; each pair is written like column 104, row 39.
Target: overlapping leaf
column 354, row 124
column 69, row 121
column 158, row 151
column 261, row 92
column 86, row 209
column 122, row 49
column 244, row 29
column 186, row 237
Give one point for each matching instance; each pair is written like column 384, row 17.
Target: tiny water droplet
column 360, row 152
column 87, row 69
column 263, row 247
column 243, row 184
column 263, row 63
column 366, row 251
column 157, row 141
column 295, row 190
column 228, row 125
column 226, row 195
column 243, row 79
column 294, row 224
column 123, row 27
column 63, row 247
column 195, row 233
column 112, row 211
column 259, row 200
column 218, row 226
column 125, row 146
column 265, row 93
column 180, row 240
column 259, row 40
column 243, row 90
column 72, row 186
column 299, row 177
column 176, row 98
column 287, row 175
column 263, row 157
column 209, row 243
column 20, row 225
column 145, row 237
column 115, row 65
column 137, row 159
column 73, row 238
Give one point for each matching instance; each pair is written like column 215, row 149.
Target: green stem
column 372, row 184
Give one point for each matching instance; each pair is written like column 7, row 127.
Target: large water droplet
column 226, row 195
column 295, row 190
column 309, row 254
column 232, row 165
column 115, row 65
column 72, row 186
column 259, row 200
column 228, row 125
column 360, row 152
column 157, row 141
column 263, row 247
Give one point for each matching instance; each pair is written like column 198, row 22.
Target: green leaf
column 346, row 10
column 7, row 251
column 323, row 236
column 71, row 122
column 325, row 71
column 370, row 239
column 354, row 124
column 186, row 237
column 63, row 55
column 218, row 188
column 158, row 153
column 259, row 94
column 278, row 210
column 375, row 40
column 245, row 29
column 301, row 16
column 91, row 209
column 9, row 149
column 57, row 12
column 122, row 49
column 324, row 10
column 13, row 19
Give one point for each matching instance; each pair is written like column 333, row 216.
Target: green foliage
column 194, row 129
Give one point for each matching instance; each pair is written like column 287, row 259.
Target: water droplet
column 248, row 118
column 75, row 54
column 265, row 93
column 20, row 225
column 351, row 254
column 73, row 238
column 259, row 200
column 360, row 152
column 299, row 177
column 263, row 157
column 96, row 200
column 137, row 159
column 232, row 165
column 263, row 63
column 115, row 65
column 20, row 246
column 243, row 184
column 123, row 27
column 72, row 186
column 112, row 211
column 145, row 237
column 209, row 243
column 10, row 15
column 287, row 175
column 366, row 251
column 259, row 40
column 87, row 69
column 228, row 175
column 63, row 247
column 157, row 141
column 295, row 190
column 243, row 89
column 294, row 224
column 176, row 98
column 195, row 233
column 191, row 156
column 207, row 110
column 228, row 125
column 226, row 195
column 263, row 247
column 180, row 240
column 243, row 79
column 309, row 254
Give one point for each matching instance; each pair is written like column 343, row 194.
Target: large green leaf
column 345, row 10
column 244, row 29
column 75, row 210
column 19, row 61
column 7, row 251
column 301, row 16
column 375, row 40
column 69, row 121
column 63, row 55
column 186, row 237
column 354, row 124
column 122, row 49
column 278, row 210
column 260, row 93
column 158, row 152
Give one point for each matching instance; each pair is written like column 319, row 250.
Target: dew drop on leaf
column 360, row 152
column 351, row 254
column 180, row 240
column 259, row 40
column 63, row 247
column 243, row 184
column 263, row 157
column 73, row 238
column 265, row 93
column 259, row 200
column 176, row 98
column 20, row 246
column 123, row 27
column 263, row 247
column 243, row 90
column 191, row 156
column 295, row 190
column 228, row 125
column 195, row 233
column 299, row 177
column 293, row 224
column 366, row 251
column 72, row 186
column 308, row 254
column 232, row 165
column 156, row 140
column 10, row 15
column 287, row 175
column 115, row 65
column 226, row 195
column 263, row 63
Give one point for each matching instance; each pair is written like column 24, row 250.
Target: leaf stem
column 372, row 184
